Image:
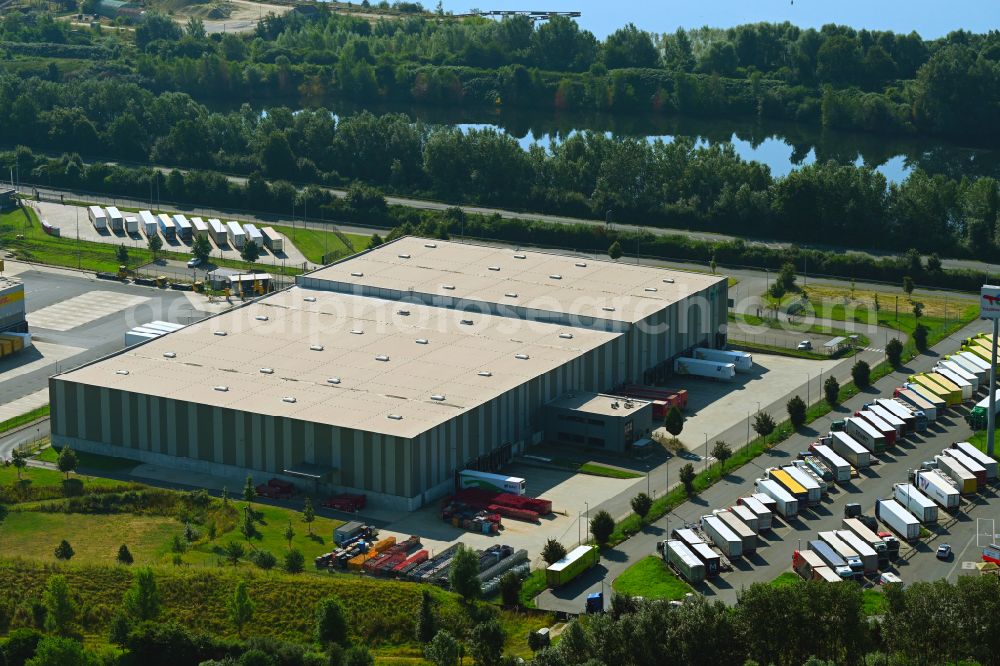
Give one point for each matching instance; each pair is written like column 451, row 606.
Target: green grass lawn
column 873, row 602
column 90, row 461
column 533, row 585
column 651, row 578
column 610, row 472
column 315, row 243
column 786, row 579
column 27, row 417
column 36, row 483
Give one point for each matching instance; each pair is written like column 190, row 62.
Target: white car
column 193, row 261
column 805, row 345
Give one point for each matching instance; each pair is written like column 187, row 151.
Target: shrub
column 553, row 551
column 861, row 373
column 831, row 391
column 601, row 526
column 894, row 352
column 796, row 411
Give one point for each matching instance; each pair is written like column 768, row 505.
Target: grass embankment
column 978, row 440
column 873, row 602
column 651, row 578
column 21, row 419
column 89, row 461
column 315, row 244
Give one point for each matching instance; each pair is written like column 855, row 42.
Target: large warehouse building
column 387, row 372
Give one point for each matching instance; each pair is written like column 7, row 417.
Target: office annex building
column 386, row 372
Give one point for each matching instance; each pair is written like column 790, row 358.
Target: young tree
column 831, row 391
column 615, row 251
column 933, row 263
column 486, row 643
column 510, row 589
column 464, row 573
column 234, row 552
column 201, row 248
column 918, row 310
column 19, row 460
column 240, row 608
column 374, row 241
column 722, row 453
column 119, row 630
column 553, row 551
column 861, row 372
column 358, row 655
column 920, row 337
column 786, row 276
column 601, row 526
column 687, row 478
column 713, row 265
column 142, row 600
column 250, row 252
column 908, row 285
column 894, row 352
column 674, row 421
column 124, row 556
column 247, row 527
column 155, row 245
column 295, row 561
column 64, row 551
column 55, row 650
column 442, row 649
column 60, row 609
column 796, row 411
column 308, row 515
column 66, row 462
column 121, row 254
column 425, row 620
column 330, row 622
column 641, row 504
column 264, row 559
column 249, row 490
column 763, row 424
column 289, row 534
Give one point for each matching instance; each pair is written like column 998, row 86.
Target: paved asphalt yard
column 775, row 552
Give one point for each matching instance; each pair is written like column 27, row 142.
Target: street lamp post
column 706, row 450
column 808, row 390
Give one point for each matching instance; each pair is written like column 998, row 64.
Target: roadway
column 775, row 557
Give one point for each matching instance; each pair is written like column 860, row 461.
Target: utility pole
column 989, row 308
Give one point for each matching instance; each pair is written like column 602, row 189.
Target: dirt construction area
column 69, row 218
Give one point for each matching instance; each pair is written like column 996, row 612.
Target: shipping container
column 500, row 483
column 897, row 423
column 272, row 239
column 914, row 501
column 199, row 227
column 963, row 478
column 785, row 504
column 724, row 538
column 988, row 463
column 148, row 224
column 747, row 516
column 764, row 515
column 709, row 369
column 918, row 401
column 115, row 219
column 867, row 554
column 865, row 434
column 814, row 492
column 218, row 232
column 576, row 562
column 962, row 372
column 881, row 426
column 166, row 226
column 840, row 468
column 897, row 518
column 969, row 463
column 684, row 561
column 98, row 217
column 939, row 488
column 914, row 419
column 742, row 361
column 235, row 234
column 849, row 555
column 789, row 484
column 747, row 536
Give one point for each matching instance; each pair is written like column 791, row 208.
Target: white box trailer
column 701, row 550
column 785, row 504
column 814, row 493
column 742, row 361
column 131, row 224
column 218, row 231
column 746, row 516
column 500, row 483
column 850, row 449
column 183, row 227
column 862, row 532
column 959, row 370
column 147, row 223
column 164, row 326
column 972, row 359
column 901, row 521
column 272, row 239
column 866, row 434
column 747, row 536
column 848, row 554
column 840, row 468
column 969, row 463
column 135, row 336
column 939, row 488
column 989, row 464
column 166, row 226
column 709, row 369
column 964, row 385
column 98, row 217
column 253, row 234
column 826, row 575
column 235, row 234
column 982, row 374
column 724, row 538
column 115, row 219
column 921, row 506
column 684, row 561
column 917, row 402
column 762, row 513
column 913, row 420
column 890, row 418
column 199, row 227
column 963, row 478
column 769, row 502
column 867, row 554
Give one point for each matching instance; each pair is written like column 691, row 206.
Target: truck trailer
column 147, row 223
column 969, row 463
column 890, row 418
column 218, row 232
column 814, row 491
column 791, row 486
column 938, row 487
column 988, row 463
column 684, row 561
column 840, row 468
column 701, row 550
column 724, row 538
column 98, row 217
column 897, row 518
column 874, row 541
column 817, row 469
column 763, row 514
column 748, row 539
column 115, row 219
column 746, row 516
column 784, row 502
column 866, row 434
column 499, row 483
column 887, row 431
column 253, row 234
column 131, row 225
column 914, row 420
column 805, row 562
column 916, row 401
column 575, row 563
column 849, row 555
column 831, row 557
column 166, row 227
column 867, row 555
column 961, row 372
column 978, row 416
column 963, row 478
column 199, row 227
column 183, row 227
column 742, row 361
column 976, row 361
column 848, row 447
column 710, row 369
column 272, row 239
column 921, row 506
column 964, row 385
column 235, row 235
column 981, row 374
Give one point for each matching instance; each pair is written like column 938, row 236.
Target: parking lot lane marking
column 958, row 559
column 72, row 312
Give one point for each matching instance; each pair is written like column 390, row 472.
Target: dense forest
column 837, row 76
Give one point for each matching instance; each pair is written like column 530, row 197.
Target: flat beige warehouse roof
column 597, row 403
column 343, row 360
column 518, row 278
